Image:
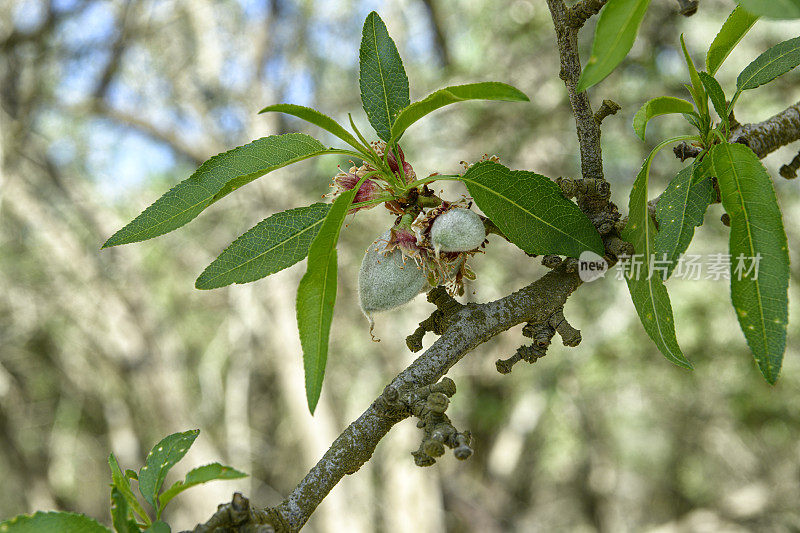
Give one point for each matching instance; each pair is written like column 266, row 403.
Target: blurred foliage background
column 105, row 104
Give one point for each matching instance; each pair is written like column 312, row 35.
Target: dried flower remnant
column 346, row 180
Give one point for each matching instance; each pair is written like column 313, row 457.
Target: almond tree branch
column 769, row 135
column 473, row 325
column 762, row 137
column 588, row 128
column 470, row 326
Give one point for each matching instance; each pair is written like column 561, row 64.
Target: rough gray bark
column 767, row 136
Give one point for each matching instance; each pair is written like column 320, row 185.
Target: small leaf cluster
column 723, row 171
column 528, row 207
column 128, row 515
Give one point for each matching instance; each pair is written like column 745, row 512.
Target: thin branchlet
column 789, row 170
column 583, row 11
column 762, row 137
column 587, row 127
column 769, row 135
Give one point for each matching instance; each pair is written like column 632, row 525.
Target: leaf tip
column 312, row 403
column 769, row 372
column 110, row 242
column 203, row 282
column 371, row 17
column 522, row 97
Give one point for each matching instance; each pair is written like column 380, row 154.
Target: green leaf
column 776, row 9
column 196, row 476
column 698, row 93
column 662, row 105
column 316, row 296
column 735, row 27
column 488, row 90
column 383, row 80
column 714, row 91
column 760, row 299
column 273, row 244
column 158, row 527
column 649, row 295
column 531, row 211
column 131, row 474
column 694, row 120
column 613, row 38
column 121, row 517
column 778, row 60
column 318, row 119
column 160, row 460
column 214, row 179
column 121, row 483
column 679, row 211
column 52, row 522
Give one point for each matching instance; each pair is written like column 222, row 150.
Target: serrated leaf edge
column 209, row 281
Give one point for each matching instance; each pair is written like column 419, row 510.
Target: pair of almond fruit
column 389, row 278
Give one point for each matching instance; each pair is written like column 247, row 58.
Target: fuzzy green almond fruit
column 457, row 230
column 388, row 279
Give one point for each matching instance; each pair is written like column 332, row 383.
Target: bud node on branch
column 688, row 7
column 437, row 323
column 569, row 335
column 617, row 247
column 239, row 516
column 542, row 334
column 789, row 170
column 531, row 354
column 571, row 265
column 583, row 11
column 429, row 403
column 551, row 261
column 684, row 151
column 608, row 107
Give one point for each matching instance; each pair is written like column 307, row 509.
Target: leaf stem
column 431, row 179
column 719, row 135
column 380, row 163
column 343, row 151
column 361, row 137
column 733, row 100
column 374, row 201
